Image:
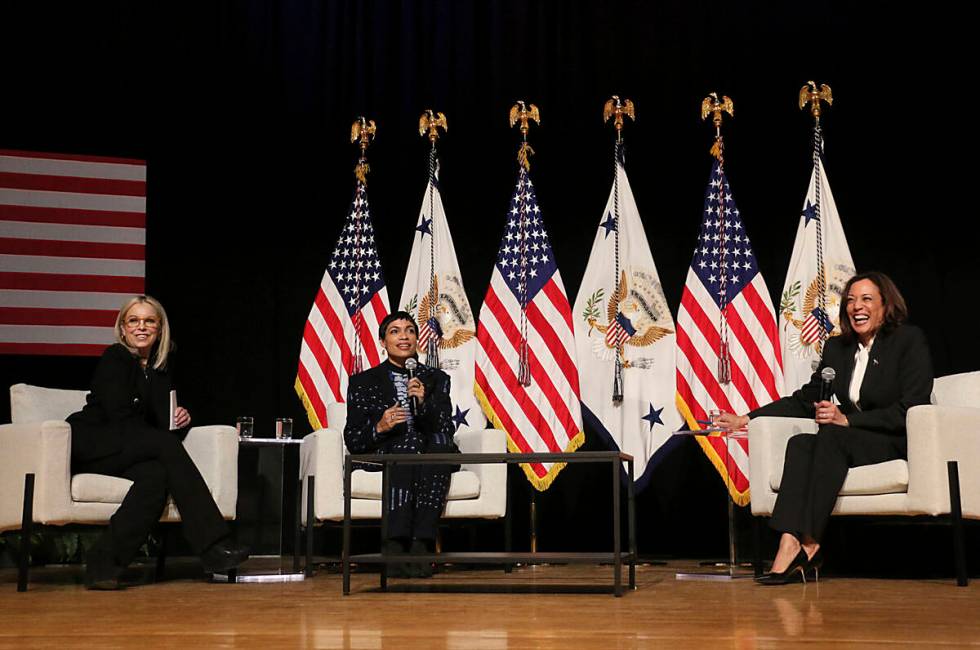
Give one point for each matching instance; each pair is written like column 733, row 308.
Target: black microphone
column 413, row 403
column 826, row 385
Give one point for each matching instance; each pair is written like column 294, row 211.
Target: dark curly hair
column 896, row 311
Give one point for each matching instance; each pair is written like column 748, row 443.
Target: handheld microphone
column 413, row 404
column 826, row 385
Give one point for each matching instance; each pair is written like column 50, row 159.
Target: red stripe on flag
column 66, row 282
column 71, row 156
column 312, row 395
column 78, row 184
column 315, row 345
column 560, row 301
column 700, row 369
column 684, row 390
column 73, row 216
column 766, row 320
column 45, row 316
column 512, row 431
column 54, row 349
column 72, row 249
column 369, row 344
column 517, row 391
column 553, row 342
column 336, row 329
column 758, row 362
column 379, row 307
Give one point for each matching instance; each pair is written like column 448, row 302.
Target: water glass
column 245, row 426
column 284, row 428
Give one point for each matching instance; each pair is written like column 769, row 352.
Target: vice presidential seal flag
column 809, row 308
column 526, row 379
column 341, row 334
column 433, row 293
column 727, row 341
column 621, row 318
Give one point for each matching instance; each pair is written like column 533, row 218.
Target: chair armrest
column 214, row 450
column 937, row 434
column 767, row 452
column 493, row 476
column 321, row 455
column 41, row 448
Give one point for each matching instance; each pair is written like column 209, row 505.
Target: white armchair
column 946, row 430
column 475, row 491
column 36, row 484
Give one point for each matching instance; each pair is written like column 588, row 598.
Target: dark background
column 243, row 111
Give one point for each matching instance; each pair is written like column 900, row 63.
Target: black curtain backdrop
column 243, row 111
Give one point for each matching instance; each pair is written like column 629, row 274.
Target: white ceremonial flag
column 433, row 293
column 634, row 324
column 806, row 320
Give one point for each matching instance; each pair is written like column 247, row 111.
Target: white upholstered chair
column 36, row 462
column 475, row 492
column 946, row 430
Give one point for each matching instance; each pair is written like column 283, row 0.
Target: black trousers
column 815, row 469
column 157, row 463
column 416, row 498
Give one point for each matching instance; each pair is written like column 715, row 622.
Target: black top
column 372, row 392
column 123, row 396
column 898, row 377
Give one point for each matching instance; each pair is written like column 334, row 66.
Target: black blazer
column 371, row 393
column 898, row 377
column 121, row 399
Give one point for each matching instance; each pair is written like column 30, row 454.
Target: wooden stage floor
column 186, row 612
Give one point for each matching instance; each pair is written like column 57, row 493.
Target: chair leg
column 310, row 484
column 26, row 531
column 757, row 538
column 956, row 514
column 508, row 533
column 298, row 533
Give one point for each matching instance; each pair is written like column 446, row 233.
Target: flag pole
column 617, row 109
column 362, row 133
column 429, row 124
column 713, row 106
column 810, row 95
column 521, row 113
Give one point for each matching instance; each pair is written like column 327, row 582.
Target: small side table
column 256, row 524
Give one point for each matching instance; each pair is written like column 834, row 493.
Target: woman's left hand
column 416, row 389
column 828, row 413
column 181, row 417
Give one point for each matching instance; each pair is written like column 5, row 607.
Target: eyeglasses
column 135, row 323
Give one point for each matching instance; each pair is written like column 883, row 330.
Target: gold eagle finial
column 810, row 95
column 522, row 113
column 430, row 122
column 711, row 105
column 616, row 108
column 362, row 131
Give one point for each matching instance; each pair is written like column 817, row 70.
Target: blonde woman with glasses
column 124, row 430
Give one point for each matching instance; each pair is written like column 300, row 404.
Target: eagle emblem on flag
column 450, row 319
column 812, row 323
column 635, row 316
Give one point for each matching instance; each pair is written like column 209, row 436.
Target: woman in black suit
column 379, row 420
column 125, row 430
column 883, row 368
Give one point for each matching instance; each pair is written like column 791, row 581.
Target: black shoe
column 399, row 569
column 223, row 555
column 419, row 569
column 795, row 572
column 101, row 572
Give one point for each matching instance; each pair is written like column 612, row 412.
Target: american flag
column 724, row 279
column 72, row 249
column 816, row 326
column 341, row 334
column 526, row 301
column 620, row 330
column 428, row 328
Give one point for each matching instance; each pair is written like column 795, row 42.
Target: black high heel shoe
column 795, row 572
column 815, row 563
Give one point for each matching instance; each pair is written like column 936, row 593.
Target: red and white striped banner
column 72, row 249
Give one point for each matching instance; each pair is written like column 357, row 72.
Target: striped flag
column 726, row 306
column 341, row 334
column 72, row 249
column 809, row 307
column 526, row 378
column 433, row 292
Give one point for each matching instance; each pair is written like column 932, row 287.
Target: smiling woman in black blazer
column 883, row 369
column 124, row 430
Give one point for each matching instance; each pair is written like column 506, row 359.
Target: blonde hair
column 164, row 344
